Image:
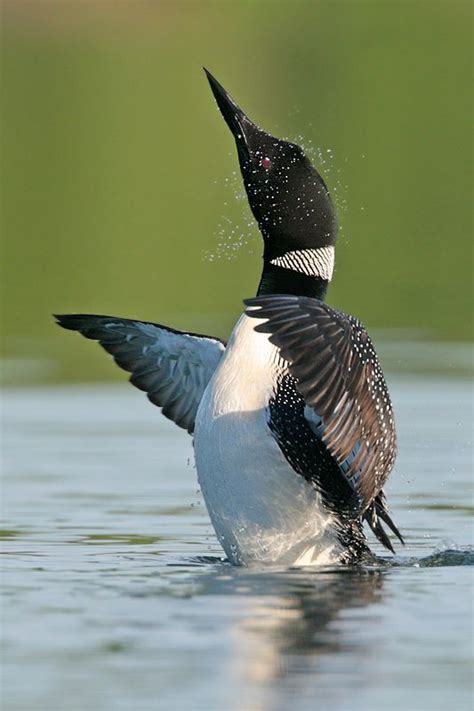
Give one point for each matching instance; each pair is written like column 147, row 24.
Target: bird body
column 261, row 509
column 293, row 427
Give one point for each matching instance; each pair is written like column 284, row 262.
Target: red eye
column 265, row 163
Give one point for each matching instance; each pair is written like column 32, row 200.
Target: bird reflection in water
column 284, row 623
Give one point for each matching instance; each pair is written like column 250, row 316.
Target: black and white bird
column 293, row 427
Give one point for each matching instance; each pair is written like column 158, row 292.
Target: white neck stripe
column 313, row 262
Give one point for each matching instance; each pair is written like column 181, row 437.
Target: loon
column 292, row 423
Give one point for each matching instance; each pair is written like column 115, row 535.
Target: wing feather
column 336, row 369
column 172, row 367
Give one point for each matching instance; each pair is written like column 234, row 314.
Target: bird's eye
column 265, row 163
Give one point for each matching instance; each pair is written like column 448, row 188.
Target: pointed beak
column 241, row 126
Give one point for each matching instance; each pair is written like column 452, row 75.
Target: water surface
column 116, row 595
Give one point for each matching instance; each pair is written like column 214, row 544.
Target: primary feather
column 172, row 367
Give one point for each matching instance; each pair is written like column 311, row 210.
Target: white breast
column 261, row 509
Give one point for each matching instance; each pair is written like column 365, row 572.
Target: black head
column 288, row 197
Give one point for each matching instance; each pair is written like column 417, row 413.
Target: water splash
column 441, row 557
column 233, row 235
column 324, row 161
column 448, row 554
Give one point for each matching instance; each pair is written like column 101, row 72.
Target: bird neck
column 279, row 280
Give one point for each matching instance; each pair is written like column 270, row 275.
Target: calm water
column 116, row 595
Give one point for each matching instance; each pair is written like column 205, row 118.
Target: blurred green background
column 119, row 185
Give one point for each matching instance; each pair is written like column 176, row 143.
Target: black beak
column 241, row 126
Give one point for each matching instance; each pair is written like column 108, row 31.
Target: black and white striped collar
column 311, row 262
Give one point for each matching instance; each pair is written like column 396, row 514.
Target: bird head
column 288, row 197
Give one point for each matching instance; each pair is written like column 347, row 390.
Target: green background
column 119, row 186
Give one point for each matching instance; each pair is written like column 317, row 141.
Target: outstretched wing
column 172, row 367
column 333, row 360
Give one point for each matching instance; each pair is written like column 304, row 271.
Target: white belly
column 261, row 509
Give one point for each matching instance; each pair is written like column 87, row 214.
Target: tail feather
column 376, row 512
